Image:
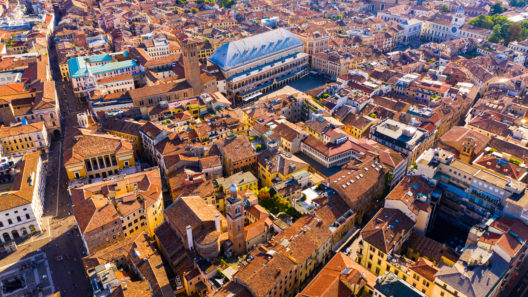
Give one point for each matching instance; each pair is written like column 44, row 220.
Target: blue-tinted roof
column 242, row 51
column 77, row 66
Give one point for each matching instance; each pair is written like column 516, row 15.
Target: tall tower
column 458, row 19
column 191, row 65
column 235, row 221
column 468, row 148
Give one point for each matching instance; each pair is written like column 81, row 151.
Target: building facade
column 23, row 139
column 21, row 202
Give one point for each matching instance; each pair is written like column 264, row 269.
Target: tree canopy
column 497, row 8
column 504, row 30
column 518, row 3
column 226, row 3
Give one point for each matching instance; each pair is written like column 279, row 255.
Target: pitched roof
column 133, row 289
column 458, row 134
column 236, row 149
column 191, row 210
column 79, row 146
column 281, row 162
column 6, row 131
column 413, row 191
column 249, row 49
column 386, row 228
column 21, row 190
column 92, row 205
column 122, row 126
column 337, row 277
column 149, row 263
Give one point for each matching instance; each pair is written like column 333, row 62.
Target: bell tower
column 191, row 65
column 235, row 221
column 468, row 149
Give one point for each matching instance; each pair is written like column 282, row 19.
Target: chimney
column 217, row 223
column 190, row 237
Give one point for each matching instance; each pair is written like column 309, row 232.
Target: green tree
column 518, row 3
column 194, row 10
column 497, row 8
column 482, row 21
column 445, row 9
column 503, row 30
column 513, row 33
column 226, row 3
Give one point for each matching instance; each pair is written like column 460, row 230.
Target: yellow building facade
column 243, row 180
column 65, row 71
column 95, row 156
column 266, row 175
column 23, row 139
column 137, row 199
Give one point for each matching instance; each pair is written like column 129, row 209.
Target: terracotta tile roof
column 330, row 149
column 286, row 131
column 386, row 228
column 21, row 191
column 46, row 99
column 115, row 78
column 410, row 191
column 280, row 162
column 144, row 256
column 506, row 240
column 236, row 149
column 458, row 134
column 12, row 89
column 337, row 277
column 191, row 210
column 210, row 162
column 122, row 126
column 424, row 268
column 508, row 147
column 292, row 248
column 258, row 212
column 110, row 253
column 490, row 125
column 160, row 89
column 262, row 273
column 93, row 213
column 501, row 166
column 79, row 146
column 133, row 289
column 92, row 204
column 256, row 229
column 175, row 252
column 353, row 181
column 430, row 248
column 151, row 129
column 21, row 129
column 388, row 156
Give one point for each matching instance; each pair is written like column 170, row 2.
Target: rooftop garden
column 275, row 204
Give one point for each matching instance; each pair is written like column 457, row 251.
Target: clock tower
column 457, row 20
